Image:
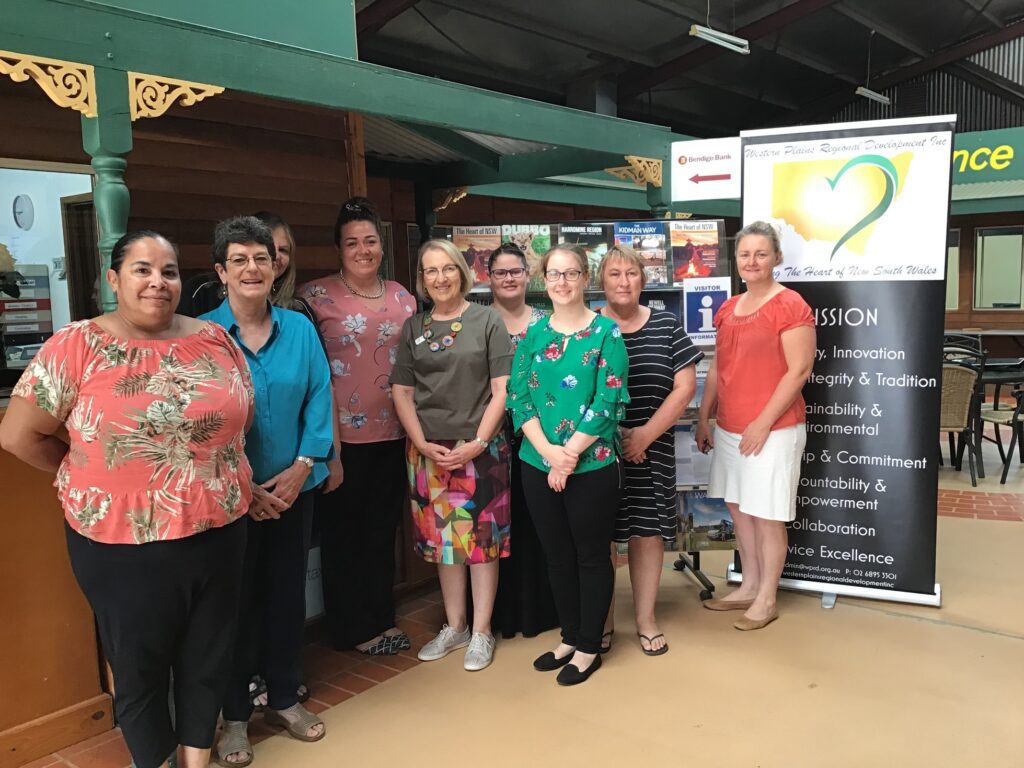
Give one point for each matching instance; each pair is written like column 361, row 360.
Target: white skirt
column 764, row 485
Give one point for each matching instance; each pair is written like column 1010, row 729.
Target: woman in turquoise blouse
column 288, row 445
column 567, row 393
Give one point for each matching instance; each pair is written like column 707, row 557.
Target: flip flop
column 606, row 648
column 299, row 729
column 234, row 738
column 650, row 642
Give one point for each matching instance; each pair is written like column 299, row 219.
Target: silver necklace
column 354, row 292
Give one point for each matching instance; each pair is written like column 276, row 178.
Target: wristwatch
column 480, row 441
column 305, row 460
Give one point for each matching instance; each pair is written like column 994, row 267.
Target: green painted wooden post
column 107, row 139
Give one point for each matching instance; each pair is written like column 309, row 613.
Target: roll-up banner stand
column 862, row 209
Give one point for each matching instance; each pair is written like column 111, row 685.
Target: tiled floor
column 336, row 677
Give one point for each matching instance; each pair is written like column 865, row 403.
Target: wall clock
column 24, row 212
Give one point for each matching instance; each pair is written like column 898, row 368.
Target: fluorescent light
column 737, row 44
column 867, row 93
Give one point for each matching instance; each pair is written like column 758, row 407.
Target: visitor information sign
column 862, row 211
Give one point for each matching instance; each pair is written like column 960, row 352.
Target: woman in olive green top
column 568, row 393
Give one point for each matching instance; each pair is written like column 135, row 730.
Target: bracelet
column 481, row 442
column 305, row 460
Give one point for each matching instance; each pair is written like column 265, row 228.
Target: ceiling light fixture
column 737, row 44
column 867, row 93
column 863, row 90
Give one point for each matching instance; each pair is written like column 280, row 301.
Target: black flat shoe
column 571, row 675
column 549, row 662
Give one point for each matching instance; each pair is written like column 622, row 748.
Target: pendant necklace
column 354, row 292
column 447, row 340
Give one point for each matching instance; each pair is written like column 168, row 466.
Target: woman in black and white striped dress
column 662, row 381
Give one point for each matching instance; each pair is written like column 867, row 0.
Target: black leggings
column 358, row 523
column 163, row 606
column 575, row 529
column 272, row 609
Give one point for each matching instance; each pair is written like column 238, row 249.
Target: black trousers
column 575, row 529
column 272, row 609
column 357, row 541
column 161, row 607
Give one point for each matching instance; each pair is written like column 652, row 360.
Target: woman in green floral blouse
column 567, row 393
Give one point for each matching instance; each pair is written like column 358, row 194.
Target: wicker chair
column 1006, row 417
column 955, row 417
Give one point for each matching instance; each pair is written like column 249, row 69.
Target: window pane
column 953, row 269
column 998, row 268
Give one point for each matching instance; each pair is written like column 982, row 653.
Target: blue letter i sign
column 700, row 306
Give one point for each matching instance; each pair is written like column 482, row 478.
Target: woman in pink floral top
column 360, row 316
column 141, row 414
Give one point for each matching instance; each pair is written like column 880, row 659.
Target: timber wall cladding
column 232, row 155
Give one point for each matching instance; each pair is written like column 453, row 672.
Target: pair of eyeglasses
column 501, row 274
column 571, row 275
column 261, row 260
column 432, row 273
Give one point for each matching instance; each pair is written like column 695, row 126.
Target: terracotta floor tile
column 111, row 754
column 374, row 671
column 315, row 706
column 330, row 694
column 351, row 683
column 414, row 627
column 404, row 609
column 432, row 615
column 325, row 663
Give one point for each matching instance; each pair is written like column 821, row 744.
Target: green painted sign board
column 988, row 156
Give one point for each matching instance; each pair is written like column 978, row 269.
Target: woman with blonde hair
column 449, row 390
column 662, row 381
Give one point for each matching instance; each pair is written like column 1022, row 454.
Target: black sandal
column 608, row 647
column 651, row 651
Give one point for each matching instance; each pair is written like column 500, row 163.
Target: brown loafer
column 717, row 604
column 745, row 625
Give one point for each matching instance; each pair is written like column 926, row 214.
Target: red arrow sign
column 697, row 178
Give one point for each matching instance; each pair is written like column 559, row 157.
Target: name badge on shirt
column 419, row 339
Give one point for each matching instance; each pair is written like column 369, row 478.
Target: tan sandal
column 234, row 739
column 298, row 728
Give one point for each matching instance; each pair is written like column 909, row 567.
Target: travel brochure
column 673, row 251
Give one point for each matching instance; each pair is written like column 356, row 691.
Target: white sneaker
column 447, row 640
column 480, row 652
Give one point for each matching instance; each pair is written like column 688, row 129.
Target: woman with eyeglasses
column 449, row 389
column 524, row 602
column 568, row 394
column 288, row 446
column 360, row 314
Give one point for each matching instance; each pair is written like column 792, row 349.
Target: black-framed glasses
column 571, row 275
column 501, row 274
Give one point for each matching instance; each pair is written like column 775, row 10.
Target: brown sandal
column 299, row 728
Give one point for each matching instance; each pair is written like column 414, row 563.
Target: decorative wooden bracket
column 67, row 84
column 448, row 197
column 152, row 95
column 641, row 171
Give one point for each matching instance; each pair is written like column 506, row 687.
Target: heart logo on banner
column 891, row 179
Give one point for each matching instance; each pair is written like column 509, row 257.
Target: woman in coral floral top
column 141, row 414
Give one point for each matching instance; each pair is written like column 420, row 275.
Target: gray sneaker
column 480, row 652
column 447, row 640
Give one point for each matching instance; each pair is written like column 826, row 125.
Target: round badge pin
column 428, row 334
column 434, row 346
column 447, row 341
column 456, row 326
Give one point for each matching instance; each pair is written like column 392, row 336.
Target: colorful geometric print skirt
column 461, row 517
